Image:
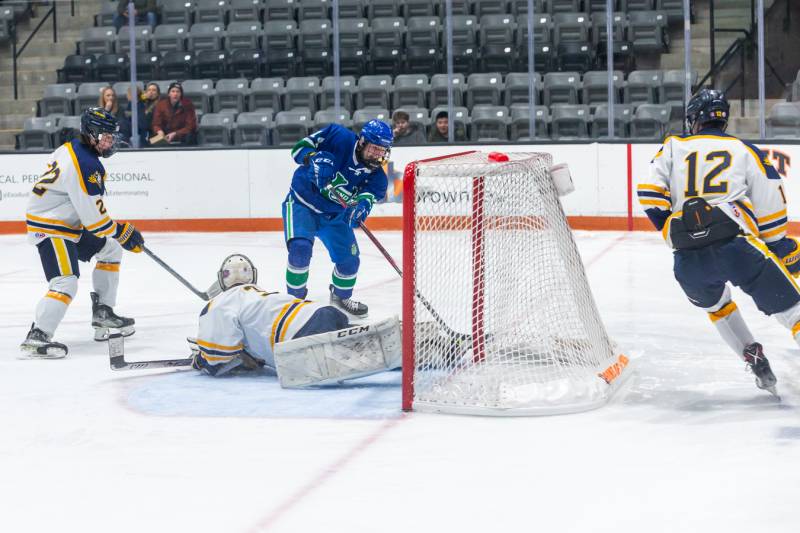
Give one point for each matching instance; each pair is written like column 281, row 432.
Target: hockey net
column 504, row 321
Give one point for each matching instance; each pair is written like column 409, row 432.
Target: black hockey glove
column 129, row 237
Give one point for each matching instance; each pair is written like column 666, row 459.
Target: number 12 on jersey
column 709, row 187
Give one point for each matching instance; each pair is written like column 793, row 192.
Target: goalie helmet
column 236, row 269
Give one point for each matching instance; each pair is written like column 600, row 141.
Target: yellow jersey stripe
column 215, row 358
column 52, row 221
column 290, row 319
column 771, row 233
column 106, row 220
column 726, row 310
column 214, row 346
column 108, row 267
column 656, row 188
column 109, row 231
column 796, row 329
column 77, row 168
column 277, row 321
column 656, row 201
column 48, row 231
column 62, row 256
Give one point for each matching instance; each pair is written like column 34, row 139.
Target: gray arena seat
column 650, row 121
column 569, row 121
column 142, row 35
column 207, row 36
column 783, row 121
column 244, row 11
column 489, row 123
column 438, row 93
column 373, row 91
column 643, row 86
column 410, row 90
column 290, row 127
column 253, row 129
column 243, row 34
column 266, row 94
column 347, row 88
column 176, row 12
column 362, row 116
column 623, row 113
column 210, row 11
column 325, row 117
column 215, row 129
column 595, row 86
column 97, row 40
column 517, row 88
column 485, row 88
column 88, row 95
column 561, row 88
column 519, row 127
column 647, row 31
column 201, row 93
column 302, row 92
column 169, row 37
column 37, row 133
column 231, row 95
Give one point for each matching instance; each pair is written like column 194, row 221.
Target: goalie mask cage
column 498, row 317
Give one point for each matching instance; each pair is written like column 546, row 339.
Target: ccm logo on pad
column 352, row 331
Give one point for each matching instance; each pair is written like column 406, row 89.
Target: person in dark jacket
column 405, row 132
column 143, row 10
column 174, row 118
column 441, row 128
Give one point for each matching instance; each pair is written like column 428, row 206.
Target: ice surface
column 689, row 444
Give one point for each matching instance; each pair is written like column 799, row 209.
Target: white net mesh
column 504, row 320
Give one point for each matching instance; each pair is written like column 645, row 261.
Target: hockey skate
column 37, row 345
column 759, row 365
column 105, row 321
column 351, row 307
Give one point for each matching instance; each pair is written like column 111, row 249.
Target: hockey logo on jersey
column 95, row 178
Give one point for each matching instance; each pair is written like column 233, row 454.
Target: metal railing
column 17, row 52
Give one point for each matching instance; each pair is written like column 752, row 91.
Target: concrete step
column 7, row 138
column 39, row 63
column 13, row 122
column 18, row 107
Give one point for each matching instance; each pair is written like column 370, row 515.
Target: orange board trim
column 376, row 223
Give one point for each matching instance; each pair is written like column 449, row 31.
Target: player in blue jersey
column 339, row 179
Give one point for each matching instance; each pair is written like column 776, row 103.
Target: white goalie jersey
column 727, row 172
column 247, row 318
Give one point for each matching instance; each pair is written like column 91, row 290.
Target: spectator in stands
column 108, row 101
column 174, row 118
column 405, row 132
column 145, row 11
column 143, row 122
column 441, row 128
column 146, row 106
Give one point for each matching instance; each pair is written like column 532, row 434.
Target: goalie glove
column 129, row 237
column 788, row 251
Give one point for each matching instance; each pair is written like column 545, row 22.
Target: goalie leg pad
column 335, row 356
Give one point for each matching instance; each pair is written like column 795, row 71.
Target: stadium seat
column 266, row 94
column 410, row 90
column 438, row 92
column 387, row 32
column 647, row 31
column 422, row 60
column 417, row 116
column 315, row 33
column 482, row 8
column 465, row 58
column 312, row 9
column 385, row 60
column 168, row 37
column 275, row 10
column 72, row 123
column 210, row 11
column 623, row 57
column 595, row 87
column 382, row 8
column 489, row 123
column 569, row 121
column 88, row 95
column 245, row 63
column 619, row 26
column 326, row 117
column 497, row 29
column 215, row 129
column 672, row 8
column 498, row 58
column 373, row 91
column 316, row 62
column 142, row 39
column 37, row 133
column 176, row 12
column 561, row 88
column 347, row 87
column 302, row 92
column 459, row 7
column 417, row 8
column 519, row 127
column 57, row 99
column 642, row 86
column 542, row 29
column 362, row 116
column 623, row 113
column 177, row 65
column 244, row 11
column 796, row 88
column 783, row 121
column 570, row 28
column 564, row 6
column 77, row 68
column 543, row 58
column 243, row 34
column 148, row 65
column 253, row 129
column 517, row 88
column 290, row 127
column 212, row 64
column 353, row 60
column 671, row 93
column 423, row 31
column 465, row 30
column 208, row 36
column 231, row 95
column 97, row 40
column 122, row 88
column 350, row 9
column 636, row 5
column 520, row 7
column 485, row 88
column 650, row 122
column 281, row 62
column 279, row 34
column 578, row 57
column 108, row 10
column 599, row 6
column 353, row 32
column 200, row 92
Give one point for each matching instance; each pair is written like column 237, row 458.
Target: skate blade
column 774, row 391
column 34, row 353
column 102, row 334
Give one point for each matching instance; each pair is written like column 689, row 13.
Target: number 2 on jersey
column 49, row 177
column 709, row 187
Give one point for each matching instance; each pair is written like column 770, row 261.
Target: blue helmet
column 378, row 133
column 96, row 121
column 708, row 105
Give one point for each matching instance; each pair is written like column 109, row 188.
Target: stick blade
column 116, row 351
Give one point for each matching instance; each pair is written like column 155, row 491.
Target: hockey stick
column 202, row 295
column 439, row 320
column 116, row 354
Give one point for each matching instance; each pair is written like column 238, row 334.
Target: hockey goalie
column 246, row 328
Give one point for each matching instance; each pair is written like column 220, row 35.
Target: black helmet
column 96, row 121
column 708, row 105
